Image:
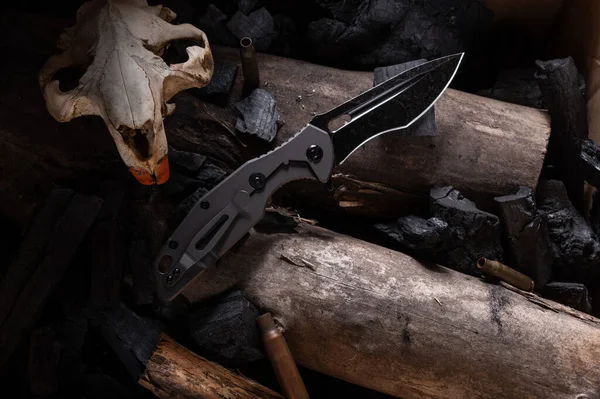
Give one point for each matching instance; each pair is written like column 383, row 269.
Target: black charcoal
column 186, row 160
column 383, row 32
column 517, row 86
column 286, row 36
column 258, row 115
column 214, row 24
column 575, row 245
column 413, row 233
column 426, row 125
column 590, row 162
column 570, row 294
column 225, row 330
column 473, row 232
column 132, row 337
column 140, row 262
column 560, row 85
column 276, row 222
column 246, row 6
column 221, row 82
column 526, row 233
column 258, row 25
column 109, row 246
column 342, row 10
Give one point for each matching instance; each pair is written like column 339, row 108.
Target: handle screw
column 257, row 180
column 204, row 205
column 314, row 153
column 173, row 244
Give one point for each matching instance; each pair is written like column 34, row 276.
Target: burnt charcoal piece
column 590, row 162
column 595, row 213
column 517, row 86
column 67, row 235
column 55, row 356
column 569, row 294
column 221, row 82
column 426, row 125
column 141, row 269
column 286, row 36
column 342, row 10
column 576, row 247
column 258, row 25
column 102, row 386
column 185, row 160
column 246, row 6
column 258, row 115
column 109, row 250
column 214, row 23
column 132, row 337
column 226, row 330
column 560, row 85
column 376, row 33
column 207, row 178
column 527, row 239
column 473, row 233
column 179, row 184
column 276, row 222
column 32, row 249
column 416, row 235
column 173, row 311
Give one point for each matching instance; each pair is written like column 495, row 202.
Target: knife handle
column 226, row 213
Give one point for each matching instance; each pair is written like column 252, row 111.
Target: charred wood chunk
column 401, row 30
column 141, row 269
column 526, row 233
column 246, row 6
column 426, row 125
column 517, row 86
column 258, row 25
column 109, row 248
column 590, row 162
column 186, row 161
column 32, row 249
column 575, row 245
column 570, row 294
column 67, row 235
column 286, row 36
column 221, row 82
column 418, row 236
column 55, row 361
column 258, row 115
column 226, row 330
column 560, row 85
column 214, row 23
column 131, row 336
column 473, row 233
column 276, row 222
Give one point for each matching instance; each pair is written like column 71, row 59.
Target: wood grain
column 383, row 320
column 175, row 372
column 484, row 147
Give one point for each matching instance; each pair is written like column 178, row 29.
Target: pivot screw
column 176, row 271
column 257, row 180
column 204, row 205
column 169, row 279
column 314, row 153
column 173, row 244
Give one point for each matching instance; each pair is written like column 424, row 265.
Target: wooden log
column 174, row 372
column 383, row 320
column 479, row 142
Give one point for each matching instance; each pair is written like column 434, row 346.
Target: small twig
column 438, row 301
column 222, row 123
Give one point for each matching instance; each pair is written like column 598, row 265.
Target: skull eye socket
column 137, row 140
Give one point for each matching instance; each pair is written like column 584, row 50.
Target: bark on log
column 383, row 320
column 479, row 141
column 174, row 372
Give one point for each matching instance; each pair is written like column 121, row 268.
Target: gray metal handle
column 226, row 213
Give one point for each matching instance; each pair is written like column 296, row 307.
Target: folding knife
column 232, row 208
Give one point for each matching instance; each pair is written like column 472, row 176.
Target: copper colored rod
column 249, row 65
column 506, row 274
column 281, row 358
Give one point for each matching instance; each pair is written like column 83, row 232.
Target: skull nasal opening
column 136, row 140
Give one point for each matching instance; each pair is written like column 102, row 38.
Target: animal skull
column 127, row 83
